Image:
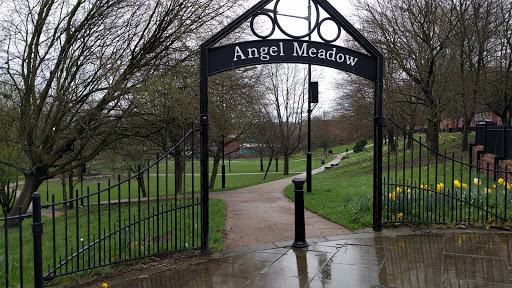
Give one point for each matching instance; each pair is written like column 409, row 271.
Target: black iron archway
column 293, row 50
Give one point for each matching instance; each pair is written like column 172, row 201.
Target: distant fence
column 496, row 140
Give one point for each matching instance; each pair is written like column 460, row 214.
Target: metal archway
column 292, row 50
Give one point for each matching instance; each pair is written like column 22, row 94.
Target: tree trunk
column 178, row 171
column 433, row 134
column 64, row 189
column 7, row 197
column 286, row 164
column 410, row 134
column 277, row 164
column 215, row 169
column 391, row 138
column 70, row 182
column 410, row 138
column 140, row 180
column 268, row 167
column 465, row 135
column 261, row 162
column 505, row 116
column 32, row 183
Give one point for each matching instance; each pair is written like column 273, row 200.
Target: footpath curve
column 262, row 214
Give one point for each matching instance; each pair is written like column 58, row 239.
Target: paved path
column 393, row 258
column 262, row 214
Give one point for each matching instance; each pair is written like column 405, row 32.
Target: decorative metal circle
column 271, row 20
column 320, row 32
column 295, row 36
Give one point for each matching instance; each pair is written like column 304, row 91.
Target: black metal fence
column 155, row 211
column 495, row 139
column 21, row 249
column 424, row 186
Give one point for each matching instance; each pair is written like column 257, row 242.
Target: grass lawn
column 243, row 173
column 345, row 194
column 67, row 237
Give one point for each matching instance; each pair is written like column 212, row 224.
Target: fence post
column 300, row 225
column 37, row 231
column 504, row 152
column 485, row 135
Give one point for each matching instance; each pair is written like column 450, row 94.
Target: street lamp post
column 223, row 165
column 308, row 155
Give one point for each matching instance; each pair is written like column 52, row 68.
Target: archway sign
column 294, row 49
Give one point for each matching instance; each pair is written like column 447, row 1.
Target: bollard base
column 300, row 244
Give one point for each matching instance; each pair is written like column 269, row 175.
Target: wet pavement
column 393, row 258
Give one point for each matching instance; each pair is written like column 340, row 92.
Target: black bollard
column 223, row 175
column 300, row 224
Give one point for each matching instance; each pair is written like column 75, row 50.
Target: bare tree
column 266, row 134
column 354, row 107
column 414, row 35
column 499, row 94
column 73, row 67
column 286, row 99
column 476, row 24
column 234, row 100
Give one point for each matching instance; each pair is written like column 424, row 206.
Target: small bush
column 359, row 147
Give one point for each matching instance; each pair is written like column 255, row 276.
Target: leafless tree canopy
column 285, row 102
column 71, row 68
column 444, row 59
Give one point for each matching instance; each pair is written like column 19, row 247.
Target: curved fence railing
column 425, row 186
column 154, row 211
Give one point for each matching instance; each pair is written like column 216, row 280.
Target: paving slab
column 436, row 259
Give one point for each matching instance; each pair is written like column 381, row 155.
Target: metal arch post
column 204, row 122
column 377, row 147
column 309, row 160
